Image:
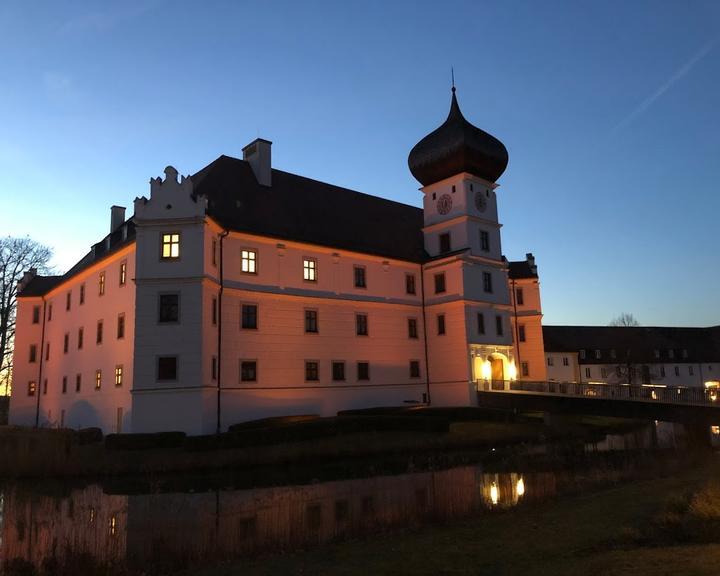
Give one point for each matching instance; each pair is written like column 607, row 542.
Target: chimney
column 25, row 280
column 531, row 262
column 117, row 217
column 257, row 153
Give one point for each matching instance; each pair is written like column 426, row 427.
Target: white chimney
column 257, row 153
column 117, row 217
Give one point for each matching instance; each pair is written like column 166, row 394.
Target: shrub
column 151, row 441
column 89, row 436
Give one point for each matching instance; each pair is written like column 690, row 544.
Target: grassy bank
column 657, row 527
column 282, row 442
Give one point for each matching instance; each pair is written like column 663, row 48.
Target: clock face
column 480, row 201
column 444, row 204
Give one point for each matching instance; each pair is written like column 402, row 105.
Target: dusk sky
column 609, row 111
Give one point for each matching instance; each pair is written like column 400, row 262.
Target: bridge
column 689, row 405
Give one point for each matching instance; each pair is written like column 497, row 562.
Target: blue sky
column 609, row 111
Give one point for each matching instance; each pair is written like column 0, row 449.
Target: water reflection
column 225, row 523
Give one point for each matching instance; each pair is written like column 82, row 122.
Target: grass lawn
column 607, row 532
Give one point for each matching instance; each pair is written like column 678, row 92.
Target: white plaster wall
column 558, row 372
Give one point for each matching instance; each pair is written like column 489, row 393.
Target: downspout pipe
column 425, row 338
column 38, row 386
column 223, row 234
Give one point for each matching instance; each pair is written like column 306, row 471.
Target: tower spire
column 452, row 74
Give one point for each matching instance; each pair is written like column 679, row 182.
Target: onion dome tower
column 455, row 147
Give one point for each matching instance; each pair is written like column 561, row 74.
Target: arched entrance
column 493, row 369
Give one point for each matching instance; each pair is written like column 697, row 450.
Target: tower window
column 441, row 324
column 359, row 273
column 453, row 188
column 444, row 242
column 248, row 261
column 499, row 325
column 440, row 283
column 484, row 241
column 170, row 246
column 310, row 269
column 167, row 368
column 168, row 308
column 519, row 297
column 481, row 323
column 487, row 282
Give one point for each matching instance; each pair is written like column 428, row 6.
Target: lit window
column 101, row 283
column 248, row 371
column 359, row 273
column 123, row 273
column 249, row 261
column 311, row 321
column 441, row 324
column 249, row 320
column 487, row 282
column 310, row 269
column 338, row 371
column 170, row 246
column 439, row 283
column 118, row 375
column 361, row 324
column 32, row 388
column 312, row 372
column 98, row 379
column 414, row 369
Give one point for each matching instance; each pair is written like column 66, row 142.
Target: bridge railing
column 644, row 393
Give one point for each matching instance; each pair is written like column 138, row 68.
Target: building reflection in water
column 230, row 523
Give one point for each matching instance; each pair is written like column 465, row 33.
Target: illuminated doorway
column 497, row 373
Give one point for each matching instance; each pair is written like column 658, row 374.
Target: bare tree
column 17, row 255
column 624, row 319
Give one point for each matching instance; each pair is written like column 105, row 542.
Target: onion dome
column 457, row 146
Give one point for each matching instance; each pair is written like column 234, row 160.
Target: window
column 481, row 323
column 81, row 333
column 32, row 387
column 312, row 371
column 248, row 371
column 656, row 353
column 82, row 294
column 98, row 379
column 249, row 317
column 101, row 283
column 99, row 332
column 49, row 312
column 440, row 283
column 311, row 321
column 414, row 369
column 168, row 308
column 484, row 241
column 524, row 369
column 550, row 361
column 118, row 375
column 214, row 312
column 597, row 354
column 671, row 353
column 587, row 372
column 363, row 371
column 248, row 261
column 412, row 328
column 441, row 324
column 47, row 351
column 410, row 283
column 310, row 269
column 66, row 342
column 566, row 362
column 691, row 372
column 444, row 240
column 359, row 272
column 64, row 384
column 213, row 252
column 499, row 325
column 677, row 370
column 170, row 246
column 36, row 315
column 684, row 353
column 603, row 372
column 487, row 282
column 361, row 324
column 213, row 368
column 167, row 368
column 519, row 297
column 123, row 273
column 78, row 382
column 338, row 371
column 521, row 333
column 121, row 326
column 33, row 353
column 68, row 300
column 662, row 371
column 582, row 354
column 613, row 354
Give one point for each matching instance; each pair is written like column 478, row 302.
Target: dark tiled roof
column 305, row 210
column 41, row 285
column 522, row 269
column 638, row 343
